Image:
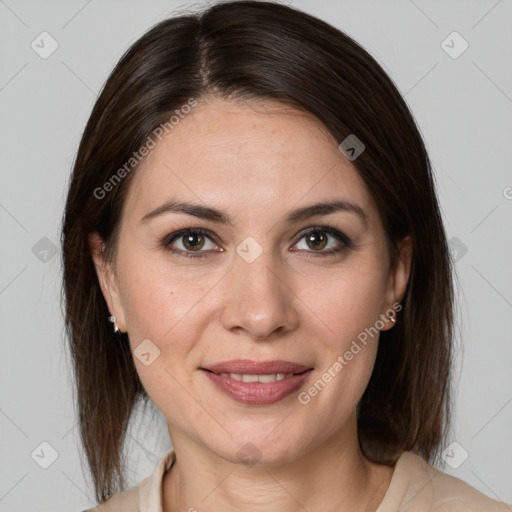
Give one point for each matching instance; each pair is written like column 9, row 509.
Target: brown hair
column 264, row 50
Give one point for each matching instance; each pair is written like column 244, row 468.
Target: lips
column 257, row 382
column 249, row 367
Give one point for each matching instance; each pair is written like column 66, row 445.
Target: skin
column 255, row 161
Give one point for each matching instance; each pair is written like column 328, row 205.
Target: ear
column 107, row 280
column 398, row 279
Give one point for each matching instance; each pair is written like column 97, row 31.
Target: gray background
column 463, row 107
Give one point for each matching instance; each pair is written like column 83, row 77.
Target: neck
column 332, row 476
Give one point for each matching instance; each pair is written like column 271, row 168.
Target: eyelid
column 182, row 232
column 334, row 232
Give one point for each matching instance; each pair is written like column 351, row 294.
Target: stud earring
column 113, row 319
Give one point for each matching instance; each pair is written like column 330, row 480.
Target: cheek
column 349, row 307
column 164, row 304
column 168, row 311
column 348, row 302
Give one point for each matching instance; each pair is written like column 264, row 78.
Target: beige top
column 415, row 487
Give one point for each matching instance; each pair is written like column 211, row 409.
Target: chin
column 258, row 449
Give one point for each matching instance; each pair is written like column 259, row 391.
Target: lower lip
column 258, row 393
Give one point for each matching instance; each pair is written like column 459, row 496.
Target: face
column 254, row 283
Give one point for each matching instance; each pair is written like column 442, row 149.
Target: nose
column 259, row 301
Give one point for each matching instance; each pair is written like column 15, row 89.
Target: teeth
column 257, row 378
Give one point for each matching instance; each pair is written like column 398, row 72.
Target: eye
column 317, row 239
column 192, row 240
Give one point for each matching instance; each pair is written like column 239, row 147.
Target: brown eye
column 316, row 240
column 193, row 241
column 190, row 242
column 320, row 238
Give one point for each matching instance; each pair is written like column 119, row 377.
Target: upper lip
column 249, row 367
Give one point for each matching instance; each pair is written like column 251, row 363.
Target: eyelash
column 341, row 237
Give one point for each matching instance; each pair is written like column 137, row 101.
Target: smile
column 257, row 389
column 262, row 377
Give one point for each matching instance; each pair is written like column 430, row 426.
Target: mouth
column 250, row 367
column 256, row 377
column 257, row 383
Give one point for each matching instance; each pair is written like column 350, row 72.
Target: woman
column 253, row 242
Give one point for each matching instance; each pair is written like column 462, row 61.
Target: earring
column 392, row 318
column 113, row 320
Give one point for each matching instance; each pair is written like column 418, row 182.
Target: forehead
column 248, row 159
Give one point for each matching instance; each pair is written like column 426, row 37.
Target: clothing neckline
column 151, row 492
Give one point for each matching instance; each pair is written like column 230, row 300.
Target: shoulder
column 128, row 500
column 427, row 488
column 145, row 496
column 453, row 494
column 125, row 501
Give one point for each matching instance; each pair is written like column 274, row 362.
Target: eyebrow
column 214, row 215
